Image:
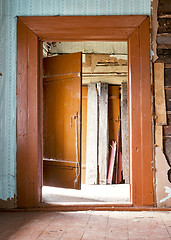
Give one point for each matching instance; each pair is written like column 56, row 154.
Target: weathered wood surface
column 103, row 136
column 168, row 99
column 159, row 136
column 92, row 131
column 160, row 105
column 124, row 131
column 164, row 54
column 167, row 149
column 164, row 25
column 167, row 76
column 164, row 7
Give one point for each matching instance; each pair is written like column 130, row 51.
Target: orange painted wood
column 40, row 119
column 62, row 100
column 84, row 134
column 146, row 115
column 60, row 28
column 114, row 113
column 139, row 95
column 140, row 138
column 27, row 117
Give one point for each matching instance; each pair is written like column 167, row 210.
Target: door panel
column 62, row 96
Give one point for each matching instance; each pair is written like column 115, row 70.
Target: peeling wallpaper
column 9, row 9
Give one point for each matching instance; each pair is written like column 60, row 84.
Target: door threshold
column 84, row 206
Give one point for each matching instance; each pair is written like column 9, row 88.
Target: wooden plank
column 103, row 137
column 124, row 130
column 159, row 136
column 27, row 117
column 92, row 135
column 164, row 25
column 114, row 80
column 167, row 131
column 167, row 77
column 164, row 39
column 106, row 69
column 164, row 7
column 111, row 162
column 160, row 105
column 154, row 27
column 163, row 46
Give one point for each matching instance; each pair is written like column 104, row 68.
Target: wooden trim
column 140, row 117
column 40, row 119
column 139, row 95
column 27, row 117
column 94, row 28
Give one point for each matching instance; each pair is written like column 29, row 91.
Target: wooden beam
column 106, row 69
column 159, row 136
column 160, row 102
column 106, row 79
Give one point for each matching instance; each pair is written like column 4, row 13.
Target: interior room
column 85, row 115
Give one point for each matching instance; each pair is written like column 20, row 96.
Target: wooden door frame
column 31, row 31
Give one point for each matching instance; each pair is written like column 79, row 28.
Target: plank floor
column 90, row 225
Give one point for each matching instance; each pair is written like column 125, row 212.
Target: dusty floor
column 117, row 193
column 85, row 225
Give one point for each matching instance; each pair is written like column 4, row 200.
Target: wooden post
column 103, row 140
column 92, row 128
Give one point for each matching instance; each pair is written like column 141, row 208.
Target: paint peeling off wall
column 163, row 186
column 9, row 9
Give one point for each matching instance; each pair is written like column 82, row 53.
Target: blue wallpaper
column 9, row 9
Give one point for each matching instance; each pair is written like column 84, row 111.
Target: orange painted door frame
column 30, row 30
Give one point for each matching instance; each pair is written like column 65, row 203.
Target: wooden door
column 62, row 101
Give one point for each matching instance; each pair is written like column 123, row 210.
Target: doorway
column 99, row 172
column 31, row 31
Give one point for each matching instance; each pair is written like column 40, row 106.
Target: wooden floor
column 85, row 225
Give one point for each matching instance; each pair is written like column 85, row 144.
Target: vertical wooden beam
column 103, row 142
column 27, row 117
column 140, row 128
column 92, row 133
column 124, row 127
column 159, row 136
column 160, row 102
